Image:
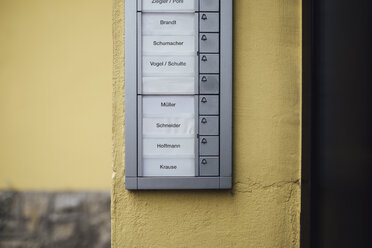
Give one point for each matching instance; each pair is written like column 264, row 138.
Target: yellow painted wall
column 55, row 94
column 263, row 209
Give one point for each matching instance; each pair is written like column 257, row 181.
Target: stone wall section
column 51, row 219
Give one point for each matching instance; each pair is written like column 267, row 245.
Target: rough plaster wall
column 263, row 209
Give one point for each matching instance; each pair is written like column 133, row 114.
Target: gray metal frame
column 226, row 91
column 133, row 106
column 131, row 181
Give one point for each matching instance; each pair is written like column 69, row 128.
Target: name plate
column 168, row 65
column 168, row 45
column 168, row 5
column 162, row 106
column 168, row 127
column 168, row 167
column 168, row 24
column 168, row 147
column 168, row 85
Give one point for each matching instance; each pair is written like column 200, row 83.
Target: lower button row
column 209, row 145
column 209, row 166
column 209, row 105
column 208, row 125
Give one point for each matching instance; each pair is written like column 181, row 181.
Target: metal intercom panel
column 178, row 94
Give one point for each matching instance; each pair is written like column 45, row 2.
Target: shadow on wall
column 41, row 219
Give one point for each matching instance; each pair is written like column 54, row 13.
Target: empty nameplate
column 168, row 85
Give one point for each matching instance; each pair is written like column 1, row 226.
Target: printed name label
column 167, row 63
column 168, row 146
column 168, row 167
column 168, row 125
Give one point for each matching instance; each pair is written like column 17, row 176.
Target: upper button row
column 209, row 22
column 178, row 5
column 209, row 5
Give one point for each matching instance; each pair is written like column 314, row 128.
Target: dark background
column 337, row 124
